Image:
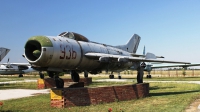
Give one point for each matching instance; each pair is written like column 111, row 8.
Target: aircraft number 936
column 67, row 52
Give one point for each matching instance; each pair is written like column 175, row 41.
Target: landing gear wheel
column 51, row 74
column 41, row 75
column 75, row 76
column 111, row 76
column 59, row 82
column 119, row 77
column 20, row 75
column 85, row 74
column 148, row 76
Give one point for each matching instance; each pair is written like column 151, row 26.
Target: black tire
column 59, row 83
column 41, row 75
column 149, row 76
column 111, row 76
column 51, row 74
column 75, row 76
column 85, row 74
column 119, row 77
column 20, row 75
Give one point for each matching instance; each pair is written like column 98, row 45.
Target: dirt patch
column 194, row 106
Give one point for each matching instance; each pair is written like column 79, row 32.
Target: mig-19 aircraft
column 70, row 51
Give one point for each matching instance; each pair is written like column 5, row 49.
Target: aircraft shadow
column 156, row 87
column 171, row 93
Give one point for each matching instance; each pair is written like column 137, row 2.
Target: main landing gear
column 41, row 75
column 140, row 73
column 58, row 81
column 75, row 76
column 20, row 75
column 148, row 76
column 111, row 76
column 119, row 76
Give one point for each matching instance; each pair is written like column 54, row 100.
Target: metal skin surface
column 61, row 53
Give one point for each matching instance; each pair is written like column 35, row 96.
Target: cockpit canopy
column 73, row 35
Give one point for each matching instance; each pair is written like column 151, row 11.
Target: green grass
column 173, row 79
column 164, row 97
column 21, row 85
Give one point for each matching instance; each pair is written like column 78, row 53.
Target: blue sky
column 170, row 28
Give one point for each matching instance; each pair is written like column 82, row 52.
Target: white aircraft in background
column 150, row 66
column 13, row 68
column 73, row 52
column 154, row 66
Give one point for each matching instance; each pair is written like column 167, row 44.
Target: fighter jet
column 150, row 66
column 70, row 51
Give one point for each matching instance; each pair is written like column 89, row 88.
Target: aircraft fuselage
column 61, row 53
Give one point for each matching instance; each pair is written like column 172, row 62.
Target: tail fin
column 3, row 52
column 144, row 51
column 131, row 45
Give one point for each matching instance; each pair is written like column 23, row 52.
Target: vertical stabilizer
column 131, row 45
column 3, row 52
column 144, row 51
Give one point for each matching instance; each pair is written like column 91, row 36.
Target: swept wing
column 120, row 58
column 180, row 65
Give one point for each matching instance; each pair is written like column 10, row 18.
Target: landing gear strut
column 58, row 81
column 75, row 76
column 140, row 73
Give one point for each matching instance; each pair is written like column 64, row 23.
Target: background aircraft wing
column 120, row 58
column 180, row 65
column 20, row 66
